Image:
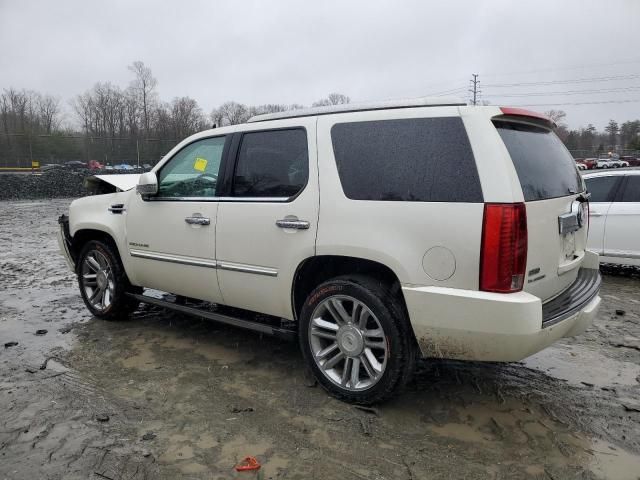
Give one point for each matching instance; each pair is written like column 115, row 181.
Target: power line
column 609, row 78
column 555, row 69
column 637, row 100
column 569, row 92
column 447, row 92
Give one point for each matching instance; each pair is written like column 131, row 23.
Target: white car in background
column 614, row 216
column 605, row 163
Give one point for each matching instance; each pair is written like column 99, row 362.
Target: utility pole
column 475, row 88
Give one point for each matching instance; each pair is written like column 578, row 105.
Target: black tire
column 389, row 314
column 119, row 304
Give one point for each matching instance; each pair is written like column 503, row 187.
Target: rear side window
column 632, row 189
column 416, row 160
column 601, row 188
column 545, row 167
column 272, row 164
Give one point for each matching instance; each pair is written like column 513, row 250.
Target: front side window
column 600, row 188
column 632, row 189
column 272, row 164
column 193, row 171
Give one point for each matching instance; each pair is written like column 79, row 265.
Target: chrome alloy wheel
column 97, row 280
column 348, row 343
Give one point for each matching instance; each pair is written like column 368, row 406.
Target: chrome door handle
column 291, row 223
column 197, row 220
column 595, row 214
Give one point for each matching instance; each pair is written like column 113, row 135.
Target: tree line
column 614, row 137
column 119, row 116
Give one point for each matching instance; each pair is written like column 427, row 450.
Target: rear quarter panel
column 397, row 234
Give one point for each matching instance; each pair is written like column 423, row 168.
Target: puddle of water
column 613, row 463
column 580, row 364
column 21, row 316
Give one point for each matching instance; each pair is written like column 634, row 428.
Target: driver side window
column 193, row 171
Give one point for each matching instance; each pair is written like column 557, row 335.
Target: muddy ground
column 163, row 396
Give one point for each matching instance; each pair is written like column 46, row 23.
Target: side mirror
column 147, row 185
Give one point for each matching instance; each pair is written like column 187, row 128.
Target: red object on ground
column 248, row 463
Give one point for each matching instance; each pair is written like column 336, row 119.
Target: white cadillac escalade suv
column 372, row 234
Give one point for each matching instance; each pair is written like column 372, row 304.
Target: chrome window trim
column 222, row 199
column 197, row 262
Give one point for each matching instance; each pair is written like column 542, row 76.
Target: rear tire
column 103, row 282
column 357, row 340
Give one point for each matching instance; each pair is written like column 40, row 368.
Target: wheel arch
column 312, row 271
column 84, row 235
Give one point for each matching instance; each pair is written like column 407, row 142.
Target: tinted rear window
column 545, row 167
column 421, row 160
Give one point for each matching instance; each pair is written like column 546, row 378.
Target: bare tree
column 231, row 113
column 332, row 99
column 144, row 84
column 49, row 111
column 557, row 116
column 186, row 117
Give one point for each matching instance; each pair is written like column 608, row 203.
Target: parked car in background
column 109, row 168
column 581, row 166
column 622, row 163
column 124, row 166
column 590, row 162
column 146, row 167
column 75, row 165
column 633, row 161
column 605, row 163
column 95, row 165
column 614, row 215
column 371, row 233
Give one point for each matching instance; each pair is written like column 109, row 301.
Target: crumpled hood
column 121, row 182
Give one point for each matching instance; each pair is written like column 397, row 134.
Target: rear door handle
column 293, row 223
column 595, row 214
column 197, row 220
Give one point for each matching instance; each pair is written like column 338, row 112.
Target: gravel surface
column 163, row 396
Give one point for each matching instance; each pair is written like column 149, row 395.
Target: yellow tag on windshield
column 200, row 164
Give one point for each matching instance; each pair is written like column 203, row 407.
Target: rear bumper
column 471, row 325
column 64, row 241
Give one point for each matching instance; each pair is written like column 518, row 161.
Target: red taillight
column 503, row 257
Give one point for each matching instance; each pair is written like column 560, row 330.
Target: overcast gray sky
column 258, row 52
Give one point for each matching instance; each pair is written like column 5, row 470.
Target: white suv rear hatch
column 557, row 212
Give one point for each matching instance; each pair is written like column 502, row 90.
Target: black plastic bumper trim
column 573, row 299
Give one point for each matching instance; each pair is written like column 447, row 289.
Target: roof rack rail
column 359, row 107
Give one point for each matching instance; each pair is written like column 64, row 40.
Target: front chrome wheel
column 348, row 343
column 97, row 280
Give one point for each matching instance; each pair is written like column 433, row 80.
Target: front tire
column 103, row 281
column 356, row 339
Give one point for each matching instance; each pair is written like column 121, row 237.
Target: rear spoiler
column 522, row 113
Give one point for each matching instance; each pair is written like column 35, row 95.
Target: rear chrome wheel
column 348, row 343
column 96, row 278
column 356, row 338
